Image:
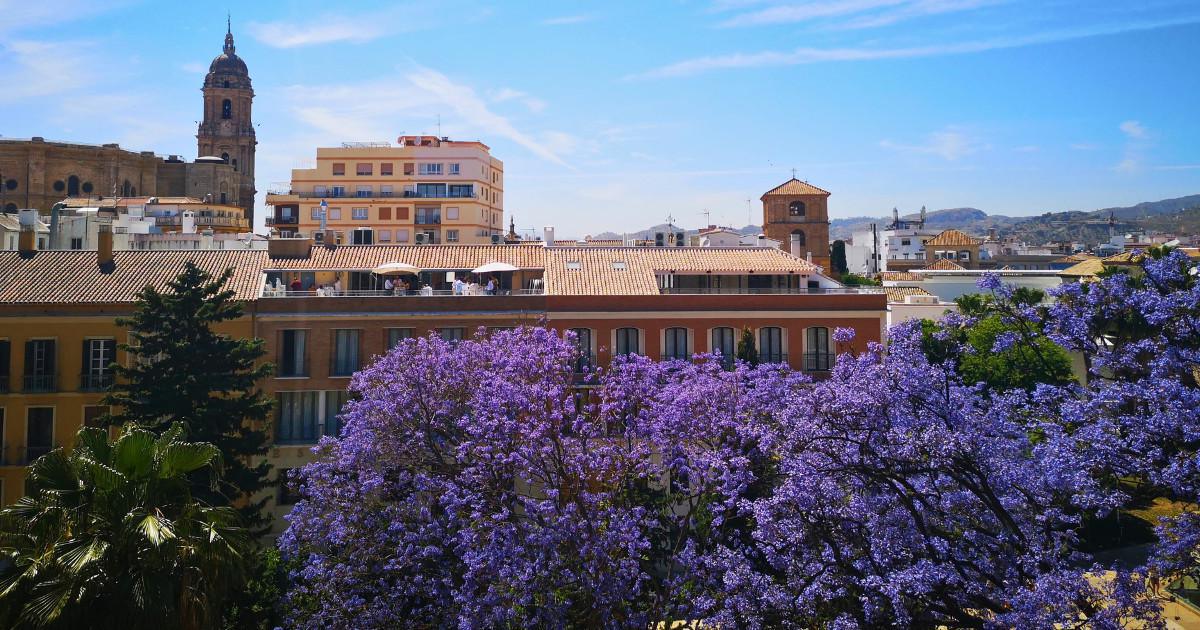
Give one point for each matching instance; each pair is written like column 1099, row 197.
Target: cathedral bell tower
column 796, row 214
column 227, row 130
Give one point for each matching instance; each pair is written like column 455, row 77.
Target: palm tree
column 109, row 535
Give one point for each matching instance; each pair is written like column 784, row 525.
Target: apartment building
column 423, row 190
column 58, row 311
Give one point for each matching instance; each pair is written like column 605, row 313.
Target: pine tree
column 837, row 257
column 182, row 371
column 745, row 349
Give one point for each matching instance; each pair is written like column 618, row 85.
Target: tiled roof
column 72, row 276
column 897, row 294
column 452, row 257
column 566, row 242
column 952, row 238
column 944, row 264
column 794, row 186
column 1074, row 258
column 123, row 202
column 900, row 276
column 597, row 275
column 1085, row 269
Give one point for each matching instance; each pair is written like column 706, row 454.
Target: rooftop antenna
column 439, row 125
column 793, row 173
column 707, row 217
column 671, row 223
column 749, row 214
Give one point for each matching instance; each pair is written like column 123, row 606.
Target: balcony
column 428, row 220
column 95, row 381
column 767, row 291
column 818, row 361
column 407, row 194
column 283, row 220
column 772, row 357
column 268, row 292
column 40, row 383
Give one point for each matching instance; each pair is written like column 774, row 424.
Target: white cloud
column 534, row 104
column 806, row 55
column 18, row 15
column 36, row 69
column 1134, row 130
column 804, row 11
column 948, row 144
column 362, row 111
column 332, row 28
column 568, row 19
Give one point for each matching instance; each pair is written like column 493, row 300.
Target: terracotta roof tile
column 944, row 264
column 71, row 276
column 450, row 257
column 952, row 238
column 795, row 187
column 1085, row 269
column 897, row 294
column 598, row 275
column 900, row 276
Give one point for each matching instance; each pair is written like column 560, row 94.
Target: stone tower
column 796, row 213
column 227, row 130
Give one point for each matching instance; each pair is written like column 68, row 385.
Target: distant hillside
column 648, row 233
column 971, row 220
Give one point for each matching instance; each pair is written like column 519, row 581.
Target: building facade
column 58, row 311
column 796, row 214
column 426, row 190
column 227, row 129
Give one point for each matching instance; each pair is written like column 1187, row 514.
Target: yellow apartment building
column 422, row 190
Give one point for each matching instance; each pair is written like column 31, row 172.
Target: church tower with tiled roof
column 796, row 213
column 227, row 130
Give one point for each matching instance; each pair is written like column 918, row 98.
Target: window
column 385, row 236
column 675, row 343
column 226, row 109
column 335, row 214
column 451, row 236
column 385, row 169
column 429, row 168
column 5, row 358
column 396, row 335
column 618, row 265
column 628, row 341
column 76, row 242
column 574, row 265
column 906, row 241
column 72, row 185
column 287, row 492
column 337, row 191
column 461, row 190
column 451, row 334
column 583, row 348
column 87, row 187
column 39, row 432
column 298, row 417
column 292, row 346
column 817, row 356
column 316, row 213
column 359, row 214
column 98, row 355
column 363, row 168
column 385, row 191
column 431, row 190
column 401, row 214
column 428, row 216
column 455, row 168
column 93, row 415
column 964, row 255
column 796, row 209
column 363, row 192
column 40, row 369
column 345, row 352
column 401, row 236
column 339, row 168
column 798, row 238
column 385, row 214
column 770, row 345
column 722, row 344
column 408, row 168
column 452, row 213
column 334, row 401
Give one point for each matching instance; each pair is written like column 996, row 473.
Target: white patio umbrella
column 494, row 267
column 395, row 269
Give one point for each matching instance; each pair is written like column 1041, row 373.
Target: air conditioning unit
column 319, row 237
column 420, row 238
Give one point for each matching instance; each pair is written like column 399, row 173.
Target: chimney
column 27, row 239
column 548, row 235
column 104, row 244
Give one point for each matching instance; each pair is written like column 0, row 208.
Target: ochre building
column 796, row 214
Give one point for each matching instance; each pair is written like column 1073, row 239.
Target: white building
column 901, row 245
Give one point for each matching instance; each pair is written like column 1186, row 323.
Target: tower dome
column 228, row 69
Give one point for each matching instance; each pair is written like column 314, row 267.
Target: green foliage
column 1023, row 365
column 110, row 536
column 855, row 280
column 257, row 605
column 745, row 348
column 185, row 372
column 837, row 257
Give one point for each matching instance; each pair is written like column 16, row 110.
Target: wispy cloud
column 534, row 104
column 19, row 15
column 949, row 144
column 807, row 55
column 1133, row 130
column 804, row 11
column 360, row 111
column 36, row 69
column 1137, row 141
column 564, row 20
column 332, row 28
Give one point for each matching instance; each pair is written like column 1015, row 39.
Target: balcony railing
column 420, row 220
column 40, row 383
column 767, row 290
column 772, row 357
column 362, row 194
column 95, row 381
column 284, row 220
column 818, row 361
column 270, row 292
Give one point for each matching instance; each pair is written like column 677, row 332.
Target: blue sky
column 611, row 116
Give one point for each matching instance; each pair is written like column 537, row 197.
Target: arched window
column 722, row 344
column 225, row 158
column 12, row 207
column 225, row 83
column 675, row 343
column 796, row 209
column 126, row 189
column 72, row 186
column 817, row 356
column 798, row 238
column 133, row 191
column 770, row 345
column 628, row 341
column 227, row 109
column 235, row 164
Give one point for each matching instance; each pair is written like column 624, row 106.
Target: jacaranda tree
column 477, row 484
